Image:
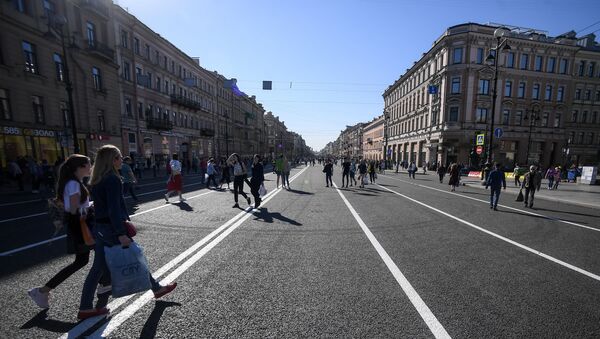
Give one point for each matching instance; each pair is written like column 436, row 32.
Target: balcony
column 207, row 132
column 99, row 49
column 97, row 6
column 159, row 124
column 185, row 102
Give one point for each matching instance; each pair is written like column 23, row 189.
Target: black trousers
column 254, row 187
column 238, row 188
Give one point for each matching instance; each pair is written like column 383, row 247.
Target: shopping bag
column 262, row 191
column 88, row 239
column 520, row 196
column 128, row 269
column 365, row 180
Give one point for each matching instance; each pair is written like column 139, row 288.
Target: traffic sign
column 479, row 150
column 498, row 132
column 480, row 140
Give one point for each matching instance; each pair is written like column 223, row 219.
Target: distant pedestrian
column 454, row 180
column 175, row 182
column 532, row 181
column 412, row 169
column 372, row 171
column 279, row 169
column 496, row 180
column 556, row 177
column 328, row 170
column 550, row 177
column 362, row 170
column 225, row 174
column 212, row 172
column 441, row 171
column 239, row 175
column 353, row 173
column 258, row 177
column 517, row 175
column 285, row 181
column 128, row 178
column 345, row 172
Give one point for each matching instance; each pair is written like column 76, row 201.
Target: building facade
column 373, row 139
column 440, row 105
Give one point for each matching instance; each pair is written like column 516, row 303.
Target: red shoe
column 96, row 312
column 164, row 290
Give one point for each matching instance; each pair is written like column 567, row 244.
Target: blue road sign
column 432, row 89
column 498, row 132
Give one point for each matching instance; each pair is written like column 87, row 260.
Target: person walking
column 556, row 177
column 111, row 214
column 532, row 181
column 258, row 177
column 441, row 171
column 550, row 177
column 371, row 170
column 225, row 174
column 412, row 169
column 352, row 173
column 345, row 172
column 454, row 177
column 211, row 171
column 517, row 175
column 128, row 178
column 279, row 169
column 175, row 182
column 239, row 174
column 328, row 170
column 362, row 170
column 496, row 180
column 76, row 201
column 285, row 181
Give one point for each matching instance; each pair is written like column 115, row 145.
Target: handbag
column 88, row 239
column 262, row 191
column 520, row 195
column 128, row 269
column 130, row 228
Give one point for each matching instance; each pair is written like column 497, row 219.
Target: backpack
column 57, row 214
column 237, row 169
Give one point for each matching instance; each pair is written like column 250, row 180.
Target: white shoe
column 167, row 197
column 41, row 299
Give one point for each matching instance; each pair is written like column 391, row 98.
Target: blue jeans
column 103, row 237
column 494, row 197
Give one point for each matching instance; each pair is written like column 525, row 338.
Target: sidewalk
column 567, row 193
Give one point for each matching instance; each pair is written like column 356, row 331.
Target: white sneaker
column 167, row 197
column 41, row 299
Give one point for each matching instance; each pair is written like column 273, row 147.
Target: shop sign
column 11, row 130
column 39, row 132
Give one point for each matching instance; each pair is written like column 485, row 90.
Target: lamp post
column 61, row 22
column 535, row 115
column 501, row 42
column 386, row 116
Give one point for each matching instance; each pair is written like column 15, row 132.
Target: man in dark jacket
column 496, row 180
column 532, row 181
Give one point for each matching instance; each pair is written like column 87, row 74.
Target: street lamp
column 61, row 22
column 386, row 116
column 535, row 116
column 501, row 44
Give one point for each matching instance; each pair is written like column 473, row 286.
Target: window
column 5, row 112
column 564, row 63
column 457, row 55
column 124, row 39
column 536, row 92
column 149, row 83
column 101, row 122
column 580, row 138
column 524, row 61
column 480, row 56
column 172, row 66
column 20, row 5
column 97, row 78
column 597, row 95
column 581, row 68
column 65, row 114
column 578, row 94
column 128, row 107
column 167, row 86
column 510, row 60
column 136, row 45
column 453, row 116
column 508, row 89
column 140, row 109
column 481, row 114
column 560, row 96
column 539, row 60
column 545, row 119
column 126, row 71
column 551, row 65
column 149, row 110
column 556, row 120
column 574, row 116
column 455, row 86
column 484, row 87
column 518, row 118
column 38, row 109
column 147, row 51
column 29, row 52
column 588, row 94
column 91, row 34
column 505, row 117
column 60, row 68
column 548, row 95
column 131, row 138
column 165, row 61
column 158, row 84
column 584, row 116
column 590, row 139
column 521, row 93
column 595, row 117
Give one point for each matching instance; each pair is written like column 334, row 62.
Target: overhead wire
column 594, row 24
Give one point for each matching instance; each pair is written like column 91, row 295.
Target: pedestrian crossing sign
column 480, row 140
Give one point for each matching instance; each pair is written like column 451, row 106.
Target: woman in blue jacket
column 107, row 194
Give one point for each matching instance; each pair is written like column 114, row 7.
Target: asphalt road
column 402, row 258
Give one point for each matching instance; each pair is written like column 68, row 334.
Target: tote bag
column 262, row 191
column 128, row 269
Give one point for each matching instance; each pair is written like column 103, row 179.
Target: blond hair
column 104, row 163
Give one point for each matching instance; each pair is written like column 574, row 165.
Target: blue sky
column 331, row 60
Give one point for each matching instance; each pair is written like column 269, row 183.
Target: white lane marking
column 434, row 325
column 512, row 242
column 504, row 206
column 84, row 326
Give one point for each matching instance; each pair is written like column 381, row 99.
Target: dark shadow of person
column 184, row 206
column 300, row 192
column 149, row 329
column 40, row 321
column 268, row 217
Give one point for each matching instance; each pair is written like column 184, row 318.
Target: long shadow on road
column 41, row 320
column 149, row 329
column 269, row 217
